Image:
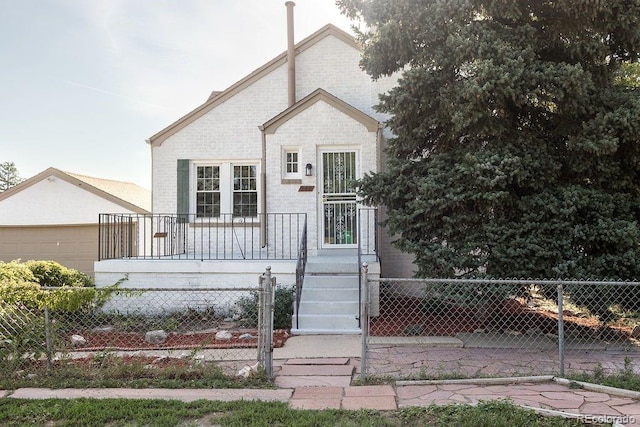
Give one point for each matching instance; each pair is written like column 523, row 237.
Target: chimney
column 291, row 54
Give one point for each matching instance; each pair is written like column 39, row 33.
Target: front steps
column 330, row 302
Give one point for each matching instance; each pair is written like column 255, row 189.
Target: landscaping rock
column 223, row 336
column 156, row 337
column 246, row 337
column 78, row 340
column 248, row 371
column 103, row 329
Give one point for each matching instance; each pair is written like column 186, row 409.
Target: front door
column 339, row 223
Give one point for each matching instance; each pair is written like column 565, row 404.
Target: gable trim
column 366, row 120
column 215, row 100
column 75, row 182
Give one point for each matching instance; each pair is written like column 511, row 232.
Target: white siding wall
column 54, row 202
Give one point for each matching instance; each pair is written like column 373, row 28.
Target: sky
column 84, row 83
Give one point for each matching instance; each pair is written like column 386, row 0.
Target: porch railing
column 300, row 268
column 186, row 236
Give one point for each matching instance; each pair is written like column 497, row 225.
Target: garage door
column 72, row 246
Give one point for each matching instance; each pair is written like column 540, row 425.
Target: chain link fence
column 439, row 328
column 229, row 326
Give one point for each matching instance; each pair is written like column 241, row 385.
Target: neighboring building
column 262, row 174
column 54, row 216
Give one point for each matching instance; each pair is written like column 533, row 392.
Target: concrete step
column 338, row 282
column 329, row 295
column 308, row 331
column 334, row 307
column 321, row 370
column 331, row 322
column 331, row 266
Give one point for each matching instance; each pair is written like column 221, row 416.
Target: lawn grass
column 625, row 378
column 121, row 412
column 110, row 371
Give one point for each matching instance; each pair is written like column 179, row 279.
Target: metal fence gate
column 464, row 328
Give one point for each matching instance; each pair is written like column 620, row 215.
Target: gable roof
column 217, row 99
column 126, row 194
column 272, row 125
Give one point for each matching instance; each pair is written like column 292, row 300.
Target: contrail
column 106, row 92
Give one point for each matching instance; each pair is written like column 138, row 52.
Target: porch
column 271, row 236
column 185, row 251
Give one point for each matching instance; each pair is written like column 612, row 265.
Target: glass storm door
column 338, row 199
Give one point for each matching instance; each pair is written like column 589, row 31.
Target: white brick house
column 262, row 171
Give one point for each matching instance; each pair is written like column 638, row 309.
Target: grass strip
column 122, row 412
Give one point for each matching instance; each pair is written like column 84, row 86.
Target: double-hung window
column 207, row 191
column 225, row 188
column 245, row 191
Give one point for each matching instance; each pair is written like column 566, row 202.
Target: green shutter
column 182, row 188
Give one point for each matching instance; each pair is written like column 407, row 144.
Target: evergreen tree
column 516, row 148
column 9, row 176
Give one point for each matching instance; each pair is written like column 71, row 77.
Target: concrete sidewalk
column 316, row 372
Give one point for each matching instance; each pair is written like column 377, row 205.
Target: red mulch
column 114, row 340
column 401, row 316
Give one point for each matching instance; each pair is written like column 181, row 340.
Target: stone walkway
column 547, row 397
column 402, row 361
column 325, row 384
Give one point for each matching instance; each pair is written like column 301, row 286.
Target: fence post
column 261, row 334
column 560, row 331
column 267, row 311
column 47, row 335
column 364, row 320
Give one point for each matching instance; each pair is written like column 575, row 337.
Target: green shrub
column 53, row 274
column 17, row 284
column 282, row 308
column 15, row 273
column 21, row 283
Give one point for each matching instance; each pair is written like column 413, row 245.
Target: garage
column 54, row 216
column 72, row 246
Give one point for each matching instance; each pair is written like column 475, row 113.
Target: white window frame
column 226, row 188
column 285, row 163
column 255, row 178
column 196, row 191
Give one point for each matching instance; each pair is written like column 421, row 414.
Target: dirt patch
column 408, row 316
column 124, row 341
